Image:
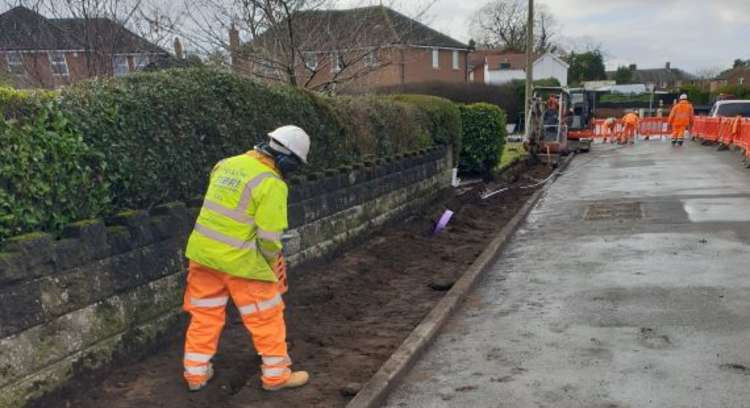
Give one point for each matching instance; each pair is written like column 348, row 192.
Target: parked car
column 730, row 108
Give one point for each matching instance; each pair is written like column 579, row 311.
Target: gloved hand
column 279, row 269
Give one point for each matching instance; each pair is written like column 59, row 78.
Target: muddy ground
column 344, row 317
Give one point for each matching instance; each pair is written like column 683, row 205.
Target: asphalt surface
column 629, row 286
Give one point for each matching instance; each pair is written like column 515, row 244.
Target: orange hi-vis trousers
column 262, row 311
column 678, row 132
column 628, row 133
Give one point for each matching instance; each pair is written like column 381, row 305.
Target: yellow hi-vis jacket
column 238, row 230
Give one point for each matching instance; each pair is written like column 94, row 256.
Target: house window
column 741, row 81
column 471, row 76
column 436, row 58
column 140, row 61
column 120, row 65
column 505, row 65
column 311, row 60
column 337, row 62
column 455, row 60
column 58, row 63
column 371, row 59
column 15, row 63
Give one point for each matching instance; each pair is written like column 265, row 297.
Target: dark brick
column 20, row 308
column 137, row 222
column 296, row 215
column 70, row 253
column 119, row 240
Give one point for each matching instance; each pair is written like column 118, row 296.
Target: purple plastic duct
column 442, row 222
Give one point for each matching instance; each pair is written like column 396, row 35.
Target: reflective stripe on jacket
column 238, row 230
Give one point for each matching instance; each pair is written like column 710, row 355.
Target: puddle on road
column 718, row 209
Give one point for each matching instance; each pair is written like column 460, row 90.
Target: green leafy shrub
column 737, row 91
column 444, row 118
column 375, row 126
column 136, row 141
column 48, row 175
column 483, row 138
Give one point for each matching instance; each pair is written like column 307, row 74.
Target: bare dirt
column 344, row 317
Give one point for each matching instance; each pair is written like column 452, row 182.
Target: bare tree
column 708, row 72
column 300, row 42
column 29, row 4
column 502, row 24
column 157, row 21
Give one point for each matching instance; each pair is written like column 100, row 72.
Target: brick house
column 360, row 48
column 667, row 78
column 734, row 76
column 497, row 66
column 48, row 53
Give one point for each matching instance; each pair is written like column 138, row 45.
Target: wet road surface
column 629, row 286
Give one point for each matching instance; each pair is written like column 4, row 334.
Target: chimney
column 632, row 67
column 234, row 43
column 177, row 48
column 668, row 66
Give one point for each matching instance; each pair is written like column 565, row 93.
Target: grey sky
column 691, row 34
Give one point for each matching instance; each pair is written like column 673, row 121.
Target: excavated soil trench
column 344, row 317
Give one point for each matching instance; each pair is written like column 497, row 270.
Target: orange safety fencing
column 646, row 127
column 729, row 131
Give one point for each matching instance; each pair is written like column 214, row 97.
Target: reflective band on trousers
column 210, row 302
column 274, row 372
column 261, row 306
column 275, row 361
column 198, row 357
column 198, row 370
column 225, row 239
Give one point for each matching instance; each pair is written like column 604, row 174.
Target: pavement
column 628, row 286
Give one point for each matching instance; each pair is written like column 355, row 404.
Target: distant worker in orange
column 630, row 123
column 609, row 129
column 681, row 119
column 235, row 252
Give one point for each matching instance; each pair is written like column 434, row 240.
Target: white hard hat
column 683, row 97
column 291, row 139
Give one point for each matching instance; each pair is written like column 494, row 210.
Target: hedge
column 108, row 145
column 483, row 137
column 48, row 174
column 444, row 119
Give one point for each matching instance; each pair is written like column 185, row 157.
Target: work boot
column 297, row 379
column 193, row 387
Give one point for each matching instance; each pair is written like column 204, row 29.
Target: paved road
column 629, row 286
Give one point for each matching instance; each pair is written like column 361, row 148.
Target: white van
column 731, row 108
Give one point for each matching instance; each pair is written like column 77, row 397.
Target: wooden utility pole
column 529, row 66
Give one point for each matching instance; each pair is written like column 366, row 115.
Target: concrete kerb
column 376, row 390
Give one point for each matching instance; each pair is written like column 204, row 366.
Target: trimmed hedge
column 378, row 127
column 444, row 119
column 113, row 144
column 483, row 137
column 48, row 175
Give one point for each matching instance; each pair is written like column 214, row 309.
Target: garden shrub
column 136, row 141
column 444, row 119
column 483, row 137
column 48, row 175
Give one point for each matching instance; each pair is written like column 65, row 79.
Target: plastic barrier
column 729, row 131
column 653, row 127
